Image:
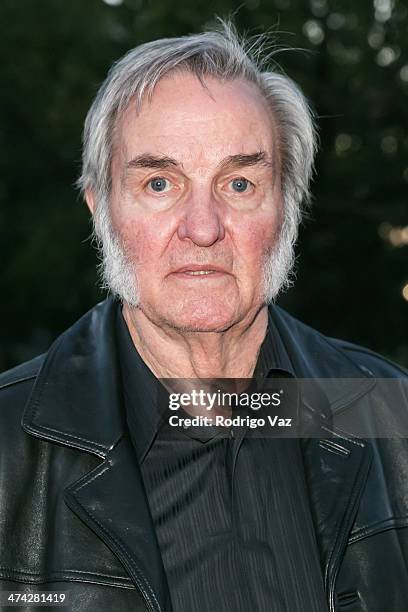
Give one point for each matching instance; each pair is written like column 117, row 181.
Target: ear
column 90, row 200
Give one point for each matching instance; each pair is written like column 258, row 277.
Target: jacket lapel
column 111, row 500
column 77, row 401
column 336, row 464
column 336, row 470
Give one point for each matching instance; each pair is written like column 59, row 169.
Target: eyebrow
column 151, row 161
column 240, row 160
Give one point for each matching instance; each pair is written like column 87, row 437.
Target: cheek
column 256, row 239
column 135, row 241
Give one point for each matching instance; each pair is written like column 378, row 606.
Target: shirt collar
column 273, row 356
column 141, row 388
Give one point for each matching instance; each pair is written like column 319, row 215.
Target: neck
column 172, row 353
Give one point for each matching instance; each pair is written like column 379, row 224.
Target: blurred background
column 352, row 276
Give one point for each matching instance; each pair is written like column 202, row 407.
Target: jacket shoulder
column 24, row 372
column 324, row 352
column 371, row 362
column 15, row 388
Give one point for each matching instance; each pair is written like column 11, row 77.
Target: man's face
column 196, row 201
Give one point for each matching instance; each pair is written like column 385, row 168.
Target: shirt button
column 231, row 433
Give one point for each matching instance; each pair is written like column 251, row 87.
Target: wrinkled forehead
column 192, row 119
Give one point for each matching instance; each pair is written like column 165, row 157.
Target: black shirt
column 231, row 513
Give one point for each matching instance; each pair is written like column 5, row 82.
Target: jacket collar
column 79, row 383
column 77, row 401
column 315, row 357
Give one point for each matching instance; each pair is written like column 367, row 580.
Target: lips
column 200, row 269
column 198, row 272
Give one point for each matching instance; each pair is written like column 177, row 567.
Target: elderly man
column 196, row 163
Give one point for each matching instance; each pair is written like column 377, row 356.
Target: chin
column 201, row 316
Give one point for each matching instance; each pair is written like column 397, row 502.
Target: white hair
column 224, row 55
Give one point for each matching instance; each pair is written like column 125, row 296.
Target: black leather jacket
column 73, row 512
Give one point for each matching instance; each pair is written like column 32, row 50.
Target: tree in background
column 352, row 277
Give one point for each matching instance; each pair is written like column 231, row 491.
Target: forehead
column 187, row 119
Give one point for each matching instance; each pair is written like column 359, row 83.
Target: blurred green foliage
column 353, row 66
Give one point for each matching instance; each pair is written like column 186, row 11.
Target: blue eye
column 159, row 184
column 240, row 185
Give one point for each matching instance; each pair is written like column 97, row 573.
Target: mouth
column 201, row 271
column 198, row 272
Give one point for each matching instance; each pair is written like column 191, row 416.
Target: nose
column 201, row 223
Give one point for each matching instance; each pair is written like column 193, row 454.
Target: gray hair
column 224, row 55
